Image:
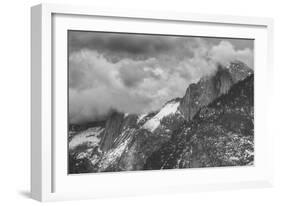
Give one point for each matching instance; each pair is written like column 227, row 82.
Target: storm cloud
column 139, row 73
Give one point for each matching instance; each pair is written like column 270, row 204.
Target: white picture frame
column 50, row 182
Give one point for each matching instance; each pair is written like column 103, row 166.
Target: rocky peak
column 223, row 80
column 209, row 88
column 115, row 124
column 112, row 130
column 239, row 70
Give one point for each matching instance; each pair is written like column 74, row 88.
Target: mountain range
column 212, row 125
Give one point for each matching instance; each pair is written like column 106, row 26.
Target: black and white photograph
column 150, row 102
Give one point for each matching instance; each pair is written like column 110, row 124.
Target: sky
column 138, row 73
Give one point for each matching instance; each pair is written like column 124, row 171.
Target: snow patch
column 140, row 117
column 169, row 109
column 89, row 136
column 112, row 155
column 82, row 155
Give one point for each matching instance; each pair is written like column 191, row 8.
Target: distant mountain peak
column 209, row 88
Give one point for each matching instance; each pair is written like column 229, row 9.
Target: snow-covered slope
column 169, row 109
column 89, row 137
column 141, row 117
column 112, row 156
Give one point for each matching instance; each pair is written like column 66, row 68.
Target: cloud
column 118, row 46
column 98, row 86
column 106, row 76
column 134, row 72
column 224, row 53
column 88, row 69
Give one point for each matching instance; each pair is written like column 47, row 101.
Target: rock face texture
column 220, row 134
column 112, row 130
column 211, row 125
column 209, row 88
